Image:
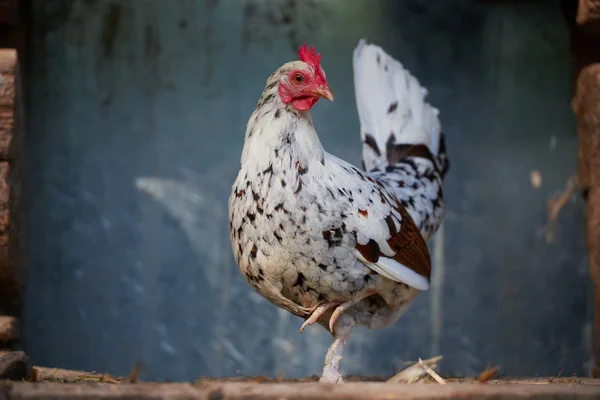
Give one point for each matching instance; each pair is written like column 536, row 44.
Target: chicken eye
column 298, row 78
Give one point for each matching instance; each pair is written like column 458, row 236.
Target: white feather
column 401, row 273
column 395, row 271
column 379, row 82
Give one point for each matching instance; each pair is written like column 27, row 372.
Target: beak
column 323, row 92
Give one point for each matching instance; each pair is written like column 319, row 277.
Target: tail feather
column 392, row 109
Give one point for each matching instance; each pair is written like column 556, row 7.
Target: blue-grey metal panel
column 136, row 118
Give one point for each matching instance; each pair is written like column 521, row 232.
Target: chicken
column 317, row 236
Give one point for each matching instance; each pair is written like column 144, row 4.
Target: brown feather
column 410, row 247
column 369, row 251
column 397, row 152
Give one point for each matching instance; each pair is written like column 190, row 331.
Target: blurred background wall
column 136, row 118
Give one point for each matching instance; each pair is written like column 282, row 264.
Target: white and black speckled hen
column 317, row 236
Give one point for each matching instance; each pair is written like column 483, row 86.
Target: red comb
column 308, row 56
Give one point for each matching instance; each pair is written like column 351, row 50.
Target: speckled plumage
column 308, row 228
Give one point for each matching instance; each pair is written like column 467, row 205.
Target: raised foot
column 317, row 313
column 342, row 308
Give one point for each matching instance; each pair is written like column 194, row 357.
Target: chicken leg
column 341, row 331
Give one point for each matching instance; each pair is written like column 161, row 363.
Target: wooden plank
column 300, row 391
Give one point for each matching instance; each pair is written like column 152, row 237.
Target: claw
column 337, row 313
column 345, row 306
column 317, row 313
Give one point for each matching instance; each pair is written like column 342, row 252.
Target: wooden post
column 12, row 171
column 586, row 106
column 583, row 18
column 12, row 210
column 13, row 365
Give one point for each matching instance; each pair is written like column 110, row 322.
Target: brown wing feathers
column 410, row 247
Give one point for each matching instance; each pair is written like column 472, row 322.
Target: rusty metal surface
column 136, row 119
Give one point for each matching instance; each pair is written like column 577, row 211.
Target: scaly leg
column 317, row 313
column 345, row 306
column 342, row 328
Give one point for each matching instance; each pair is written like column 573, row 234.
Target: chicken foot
column 317, row 313
column 341, row 307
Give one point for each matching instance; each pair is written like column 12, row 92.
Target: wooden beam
column 8, row 74
column 583, row 20
column 12, row 172
column 586, row 106
column 300, row 391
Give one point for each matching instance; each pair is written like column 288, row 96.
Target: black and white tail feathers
column 395, row 119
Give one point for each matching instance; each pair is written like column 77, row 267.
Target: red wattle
column 304, row 103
